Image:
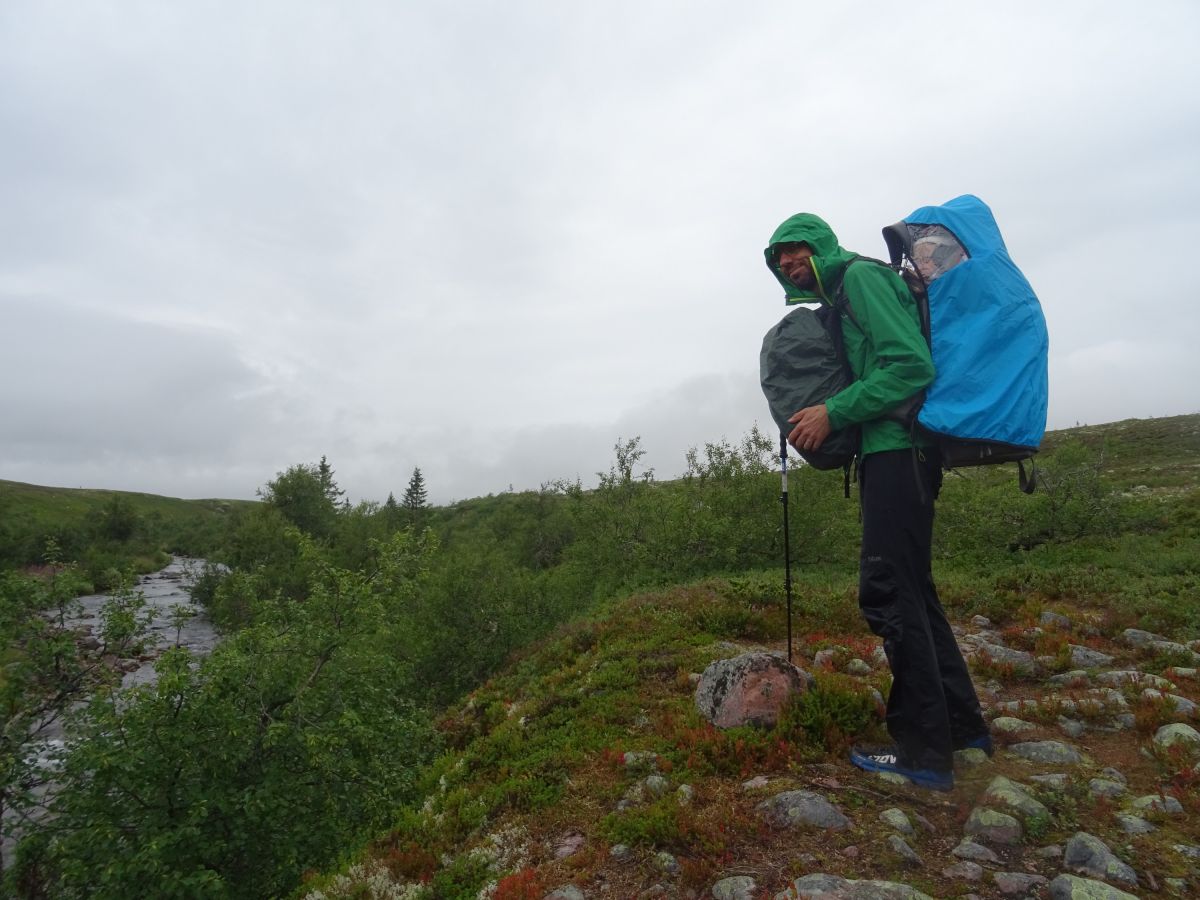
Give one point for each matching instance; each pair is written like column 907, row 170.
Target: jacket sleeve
column 899, row 364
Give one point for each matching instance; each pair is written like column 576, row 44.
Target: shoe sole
column 867, row 765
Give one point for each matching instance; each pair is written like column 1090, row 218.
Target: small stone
column 1047, row 752
column 793, row 808
column 1053, row 851
column 1177, row 733
column 1072, row 728
column 906, row 853
column 1176, row 885
column 684, row 794
column 1102, row 787
column 1014, row 798
column 569, row 844
column 896, row 819
column 656, row 785
column 1133, row 825
column 1123, row 722
column 892, row 778
column 1022, row 662
column 823, row 659
column 850, row 852
column 738, row 887
column 1089, row 855
column 858, row 666
column 1191, row 851
column 1072, row 887
column 1087, row 658
column 666, row 862
column 620, row 852
column 566, row 892
column 1182, row 672
column 1054, row 780
column 964, row 871
column 641, row 759
column 1050, row 619
column 755, row 783
column 994, row 827
column 1074, row 678
column 976, row 852
column 1018, row 883
column 1113, row 774
column 981, row 621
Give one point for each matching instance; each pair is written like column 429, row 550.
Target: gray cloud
column 491, row 239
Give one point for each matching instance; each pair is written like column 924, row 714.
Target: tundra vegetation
column 492, row 660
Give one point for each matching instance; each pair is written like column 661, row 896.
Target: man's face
column 795, row 266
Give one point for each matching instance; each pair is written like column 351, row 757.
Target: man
column 932, row 709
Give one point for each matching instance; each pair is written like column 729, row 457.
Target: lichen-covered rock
column 1177, row 733
column 906, row 854
column 1015, row 799
column 964, row 871
column 896, row 819
column 969, row 757
column 1123, row 677
column 975, row 852
column 1089, row 855
column 1133, row 825
column 566, row 892
column 749, row 689
column 802, row 808
column 1048, row 752
column 666, row 862
column 1181, row 705
column 1055, row 620
column 1009, row 725
column 993, row 827
column 1021, row 661
column 738, row 887
column 817, row 885
column 1104, row 787
column 1173, row 648
column 1087, row 658
column 1160, row 803
column 1071, row 887
column 1135, row 637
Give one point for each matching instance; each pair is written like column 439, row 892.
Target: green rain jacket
column 888, row 355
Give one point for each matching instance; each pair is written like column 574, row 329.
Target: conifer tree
column 415, row 498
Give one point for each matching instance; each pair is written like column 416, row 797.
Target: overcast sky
column 490, row 239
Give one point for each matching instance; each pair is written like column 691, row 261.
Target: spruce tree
column 415, row 500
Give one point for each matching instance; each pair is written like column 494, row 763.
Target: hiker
column 932, row 708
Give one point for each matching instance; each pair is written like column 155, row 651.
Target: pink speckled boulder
column 749, row 689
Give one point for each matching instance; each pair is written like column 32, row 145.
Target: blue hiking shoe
column 983, row 742
column 887, row 759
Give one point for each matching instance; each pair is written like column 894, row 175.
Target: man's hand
column 812, row 427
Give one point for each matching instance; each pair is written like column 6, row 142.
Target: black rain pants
column 932, row 707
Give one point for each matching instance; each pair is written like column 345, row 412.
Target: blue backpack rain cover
column 986, row 331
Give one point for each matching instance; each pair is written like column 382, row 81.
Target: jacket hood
column 828, row 262
column 969, row 219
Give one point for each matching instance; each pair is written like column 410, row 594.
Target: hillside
column 584, row 767
column 104, row 529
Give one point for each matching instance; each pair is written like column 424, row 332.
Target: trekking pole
column 787, row 544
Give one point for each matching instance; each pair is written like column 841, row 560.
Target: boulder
column 1178, row 733
column 749, row 689
column 1047, row 752
column 1018, row 884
